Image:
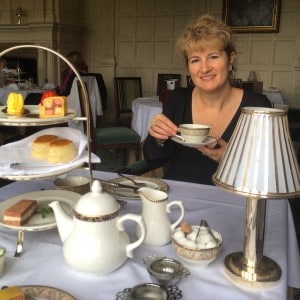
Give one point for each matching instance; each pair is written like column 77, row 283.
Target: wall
column 145, row 33
column 137, row 37
column 49, row 23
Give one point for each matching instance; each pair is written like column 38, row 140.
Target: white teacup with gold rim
column 193, row 133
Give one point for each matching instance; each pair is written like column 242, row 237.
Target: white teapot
column 94, row 241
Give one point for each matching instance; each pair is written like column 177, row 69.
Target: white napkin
column 48, row 86
column 13, row 87
column 16, row 158
column 9, row 71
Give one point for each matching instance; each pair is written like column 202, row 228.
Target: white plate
column 40, row 292
column 31, row 117
column 207, row 141
column 37, row 222
column 125, row 194
column 17, row 162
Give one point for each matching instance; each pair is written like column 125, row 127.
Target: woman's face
column 209, row 68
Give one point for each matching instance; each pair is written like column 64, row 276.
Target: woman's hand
column 162, row 127
column 214, row 154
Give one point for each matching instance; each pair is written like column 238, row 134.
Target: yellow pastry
column 15, row 104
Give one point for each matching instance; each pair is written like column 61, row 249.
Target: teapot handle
column 178, row 203
column 140, row 222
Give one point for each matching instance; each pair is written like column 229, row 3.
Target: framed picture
column 248, row 16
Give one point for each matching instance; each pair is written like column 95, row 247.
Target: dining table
column 5, row 91
column 143, row 110
column 275, row 97
column 42, row 261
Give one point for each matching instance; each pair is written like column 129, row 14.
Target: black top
column 185, row 163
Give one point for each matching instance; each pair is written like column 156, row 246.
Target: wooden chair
column 126, row 90
column 162, row 91
column 108, row 138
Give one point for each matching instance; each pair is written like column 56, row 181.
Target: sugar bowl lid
column 97, row 202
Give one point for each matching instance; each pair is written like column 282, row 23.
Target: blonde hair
column 204, row 31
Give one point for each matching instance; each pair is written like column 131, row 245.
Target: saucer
column 207, row 141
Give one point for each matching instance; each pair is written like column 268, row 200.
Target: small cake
column 12, row 293
column 40, row 146
column 19, row 213
column 55, row 106
column 15, row 104
column 61, row 151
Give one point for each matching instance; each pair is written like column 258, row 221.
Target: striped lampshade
column 260, row 159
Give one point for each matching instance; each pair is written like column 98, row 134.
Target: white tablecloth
column 94, row 96
column 43, row 263
column 275, row 97
column 144, row 109
column 4, row 92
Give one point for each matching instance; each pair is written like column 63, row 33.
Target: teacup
column 193, row 133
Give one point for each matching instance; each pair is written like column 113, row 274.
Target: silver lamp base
column 265, row 274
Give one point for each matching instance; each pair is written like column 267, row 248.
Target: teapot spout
column 63, row 221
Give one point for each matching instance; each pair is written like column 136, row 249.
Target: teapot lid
column 97, row 202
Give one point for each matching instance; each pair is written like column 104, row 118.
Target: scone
column 40, row 146
column 61, row 151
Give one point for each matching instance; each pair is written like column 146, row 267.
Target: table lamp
column 259, row 163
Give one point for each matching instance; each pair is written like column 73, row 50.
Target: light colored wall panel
column 126, row 28
column 285, row 81
column 162, row 52
column 163, row 27
column 145, row 28
column 126, row 7
column 146, row 74
column 126, row 53
column 145, row 7
column 261, row 52
column 284, row 53
column 180, row 22
column 163, row 7
column 243, row 52
column 185, row 7
column 144, row 53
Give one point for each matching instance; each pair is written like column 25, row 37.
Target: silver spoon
column 140, row 184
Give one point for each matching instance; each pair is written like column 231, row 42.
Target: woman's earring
column 191, row 83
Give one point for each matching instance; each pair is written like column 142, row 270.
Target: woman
column 3, row 64
column 210, row 53
column 68, row 75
